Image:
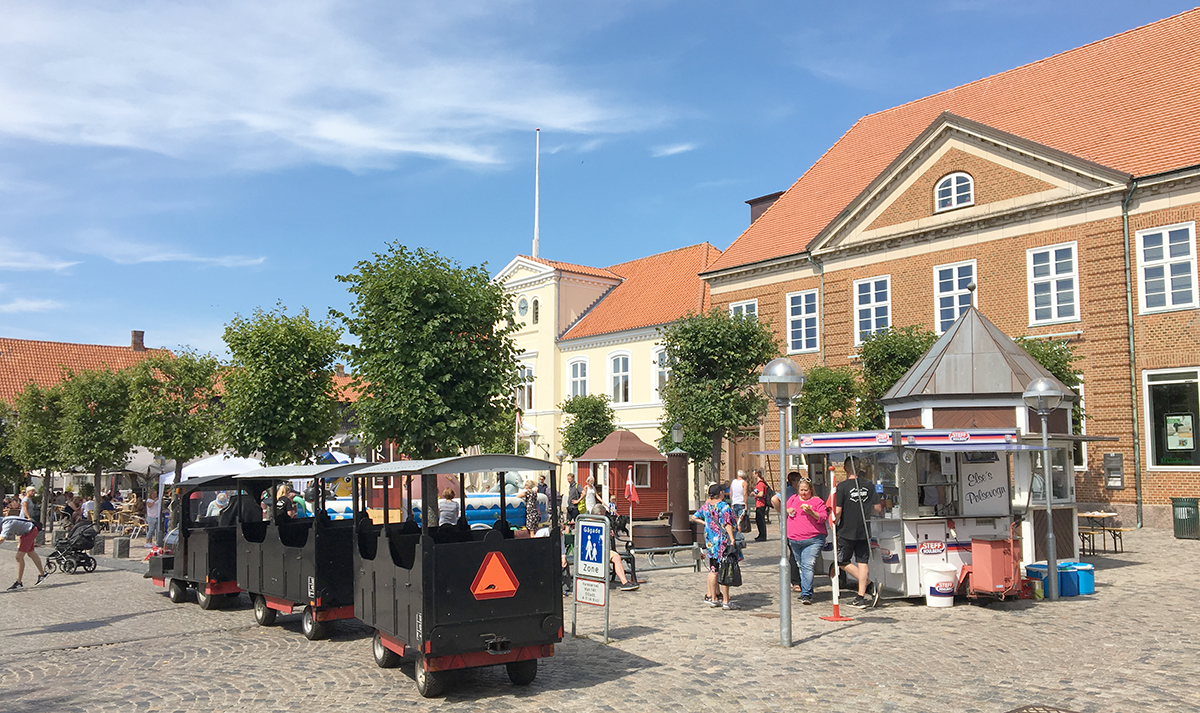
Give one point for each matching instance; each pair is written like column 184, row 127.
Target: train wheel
column 430, row 684
column 522, row 673
column 384, row 657
column 205, row 600
column 263, row 614
column 176, row 592
column 312, row 628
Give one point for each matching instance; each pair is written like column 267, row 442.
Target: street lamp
column 677, row 434
column 782, row 381
column 1042, row 396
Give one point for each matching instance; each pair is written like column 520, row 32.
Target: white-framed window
column 749, row 308
column 802, row 321
column 577, row 379
column 872, row 306
column 1080, row 427
column 537, row 308
column 1053, row 284
column 1172, row 413
column 950, row 294
column 661, row 372
column 525, row 386
column 1167, row 267
column 954, row 191
column 618, row 372
column 641, row 475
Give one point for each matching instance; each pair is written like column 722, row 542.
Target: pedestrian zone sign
column 590, row 560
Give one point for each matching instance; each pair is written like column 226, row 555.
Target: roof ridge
column 1014, row 70
column 80, row 344
column 660, row 254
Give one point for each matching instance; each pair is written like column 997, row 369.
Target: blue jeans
column 737, row 514
column 805, row 552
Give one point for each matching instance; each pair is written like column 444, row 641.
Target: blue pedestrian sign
column 591, row 549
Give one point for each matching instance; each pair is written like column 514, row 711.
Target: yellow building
column 588, row 330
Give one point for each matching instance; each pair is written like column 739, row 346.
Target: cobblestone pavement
column 112, row 641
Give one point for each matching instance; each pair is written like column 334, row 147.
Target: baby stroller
column 71, row 552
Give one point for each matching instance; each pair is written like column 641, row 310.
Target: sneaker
column 805, row 599
column 41, row 578
column 16, row 585
column 859, row 603
column 630, row 587
column 872, row 595
column 729, row 606
column 714, row 603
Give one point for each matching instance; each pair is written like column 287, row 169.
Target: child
column 447, row 508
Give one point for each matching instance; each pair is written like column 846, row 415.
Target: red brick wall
column 1165, row 340
column 993, row 183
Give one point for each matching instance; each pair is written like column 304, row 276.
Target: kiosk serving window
column 1062, row 473
column 1173, row 405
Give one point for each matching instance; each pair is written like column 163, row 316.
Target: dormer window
column 954, row 191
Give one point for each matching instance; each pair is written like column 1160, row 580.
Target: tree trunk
column 96, row 497
column 714, row 464
column 47, row 491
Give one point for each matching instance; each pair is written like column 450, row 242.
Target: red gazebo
column 622, row 451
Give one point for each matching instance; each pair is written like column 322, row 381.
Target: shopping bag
column 730, row 573
column 744, row 523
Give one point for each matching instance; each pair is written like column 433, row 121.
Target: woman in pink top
column 806, row 517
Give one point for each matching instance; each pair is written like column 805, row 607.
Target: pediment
column 1008, row 173
column 522, row 268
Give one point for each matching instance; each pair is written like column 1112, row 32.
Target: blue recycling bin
column 1085, row 576
column 1068, row 578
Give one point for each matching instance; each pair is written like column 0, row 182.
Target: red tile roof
column 1128, row 102
column 571, row 267
column 23, row 361
column 654, row 290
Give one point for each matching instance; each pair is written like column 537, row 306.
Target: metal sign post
column 591, row 566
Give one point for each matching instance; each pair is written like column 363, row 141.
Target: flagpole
column 537, row 170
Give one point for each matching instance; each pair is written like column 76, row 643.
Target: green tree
column 279, row 393
column 499, row 436
column 35, row 436
column 435, row 351
column 94, row 405
column 715, row 361
column 11, row 472
column 591, row 422
column 887, row 356
column 831, row 401
column 172, row 409
column 1057, row 357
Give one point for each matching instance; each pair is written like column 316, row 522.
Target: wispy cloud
column 129, row 252
column 14, row 258
column 671, row 150
column 273, row 84
column 25, row 305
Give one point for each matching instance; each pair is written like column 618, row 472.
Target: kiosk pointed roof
column 622, row 445
column 973, row 359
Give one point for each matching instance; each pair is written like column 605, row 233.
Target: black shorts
column 859, row 550
column 572, row 513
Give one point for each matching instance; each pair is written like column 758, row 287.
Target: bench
column 693, row 556
column 1087, row 539
column 1117, row 536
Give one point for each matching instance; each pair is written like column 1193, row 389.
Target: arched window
column 618, row 371
column 954, row 191
column 536, row 308
column 579, row 377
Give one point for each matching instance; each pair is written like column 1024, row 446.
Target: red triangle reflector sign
column 495, row 579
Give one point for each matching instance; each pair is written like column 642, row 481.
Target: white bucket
column 940, row 580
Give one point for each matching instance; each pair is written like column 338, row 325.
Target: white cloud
column 671, row 150
column 14, row 258
column 272, row 84
column 24, row 305
column 129, row 252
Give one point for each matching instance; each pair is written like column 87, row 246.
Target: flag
column 631, row 491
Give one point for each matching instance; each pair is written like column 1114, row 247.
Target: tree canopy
column 592, row 420
column 11, row 473
column 886, row 356
column 94, row 405
column 715, row 360
column 279, row 395
column 35, row 435
column 830, row 402
column 435, row 354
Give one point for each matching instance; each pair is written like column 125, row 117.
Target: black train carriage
column 287, row 563
column 204, row 556
column 456, row 597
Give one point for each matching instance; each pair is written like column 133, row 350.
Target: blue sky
column 166, row 165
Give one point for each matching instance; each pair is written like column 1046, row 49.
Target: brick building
column 1068, row 190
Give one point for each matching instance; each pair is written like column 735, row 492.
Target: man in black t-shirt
column 856, row 498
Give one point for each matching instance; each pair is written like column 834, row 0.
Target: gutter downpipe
column 821, row 297
column 1137, row 439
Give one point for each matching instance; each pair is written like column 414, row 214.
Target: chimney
column 339, row 369
column 760, row 204
column 137, row 340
